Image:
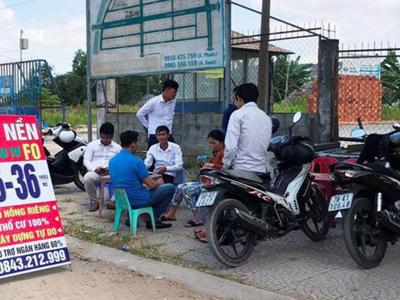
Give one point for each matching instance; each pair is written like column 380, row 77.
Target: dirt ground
column 92, row 280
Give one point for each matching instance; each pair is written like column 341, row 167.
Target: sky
column 57, row 28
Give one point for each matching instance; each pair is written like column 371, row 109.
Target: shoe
column 95, row 206
column 111, row 205
column 159, row 225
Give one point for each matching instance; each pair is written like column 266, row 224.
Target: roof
column 243, row 42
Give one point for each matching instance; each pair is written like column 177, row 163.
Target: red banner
column 31, row 235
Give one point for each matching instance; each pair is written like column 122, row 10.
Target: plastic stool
column 122, row 204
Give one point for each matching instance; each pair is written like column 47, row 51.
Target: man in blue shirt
column 129, row 172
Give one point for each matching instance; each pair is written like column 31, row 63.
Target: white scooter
column 67, row 165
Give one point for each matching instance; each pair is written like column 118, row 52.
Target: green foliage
column 288, row 76
column 390, row 78
column 75, row 115
column 72, row 85
column 299, row 104
column 134, row 89
column 72, row 88
column 79, row 63
column 390, row 113
column 49, row 98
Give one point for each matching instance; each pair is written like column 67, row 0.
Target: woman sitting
column 190, row 191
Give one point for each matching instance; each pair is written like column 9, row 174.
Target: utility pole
column 264, row 61
column 23, row 44
column 228, row 53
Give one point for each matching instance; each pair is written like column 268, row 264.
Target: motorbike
column 67, row 165
column 248, row 207
column 370, row 198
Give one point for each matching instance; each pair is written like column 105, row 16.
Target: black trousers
column 153, row 140
column 168, row 178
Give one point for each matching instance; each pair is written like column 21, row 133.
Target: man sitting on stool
column 97, row 155
column 128, row 171
column 166, row 156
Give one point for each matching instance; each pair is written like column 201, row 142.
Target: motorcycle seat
column 255, row 177
column 379, row 168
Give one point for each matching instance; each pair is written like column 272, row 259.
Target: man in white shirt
column 166, row 156
column 159, row 111
column 249, row 132
column 97, row 156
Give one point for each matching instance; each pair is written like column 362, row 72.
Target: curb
column 195, row 280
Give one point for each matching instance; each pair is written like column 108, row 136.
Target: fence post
column 228, row 53
column 327, row 118
column 106, row 91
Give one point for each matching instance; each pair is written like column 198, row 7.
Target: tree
column 72, row 85
column 49, row 99
column 288, row 76
column 390, row 78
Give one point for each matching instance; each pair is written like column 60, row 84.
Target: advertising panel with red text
column 31, row 234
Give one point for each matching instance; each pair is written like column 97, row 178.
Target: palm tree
column 390, row 78
column 288, row 76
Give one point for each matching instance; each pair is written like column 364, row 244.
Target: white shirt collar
column 166, row 150
column 249, row 104
column 101, row 144
column 163, row 101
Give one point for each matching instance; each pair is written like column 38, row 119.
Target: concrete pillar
column 106, row 92
column 327, row 118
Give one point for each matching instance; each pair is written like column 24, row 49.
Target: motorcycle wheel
column 316, row 223
column 364, row 242
column 79, row 174
column 228, row 242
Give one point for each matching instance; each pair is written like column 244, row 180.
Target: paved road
column 293, row 265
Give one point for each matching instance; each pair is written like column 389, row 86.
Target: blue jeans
column 161, row 198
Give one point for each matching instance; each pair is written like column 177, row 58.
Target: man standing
column 158, row 111
column 97, row 155
column 226, row 116
column 129, row 172
column 249, row 132
column 166, row 156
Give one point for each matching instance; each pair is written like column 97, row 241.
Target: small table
column 107, row 180
column 103, row 181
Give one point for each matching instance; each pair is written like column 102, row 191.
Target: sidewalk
column 94, row 279
column 205, row 284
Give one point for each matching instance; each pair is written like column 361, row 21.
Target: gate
column 21, row 87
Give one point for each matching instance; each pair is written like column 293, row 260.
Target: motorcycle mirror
column 358, row 133
column 296, row 117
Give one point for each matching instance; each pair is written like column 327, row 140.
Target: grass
column 137, row 246
column 391, row 113
column 299, row 104
column 75, row 116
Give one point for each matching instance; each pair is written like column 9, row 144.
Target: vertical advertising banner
column 31, row 234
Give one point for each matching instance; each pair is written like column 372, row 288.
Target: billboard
column 140, row 37
column 6, row 86
column 31, row 234
column 357, row 67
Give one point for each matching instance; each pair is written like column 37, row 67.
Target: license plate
column 206, row 199
column 340, row 202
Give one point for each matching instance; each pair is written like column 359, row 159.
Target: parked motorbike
column 67, row 165
column 246, row 207
column 370, row 198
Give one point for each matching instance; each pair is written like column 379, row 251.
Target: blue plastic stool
column 122, row 204
column 109, row 187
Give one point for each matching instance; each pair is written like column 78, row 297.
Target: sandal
column 192, row 223
column 201, row 235
column 164, row 219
